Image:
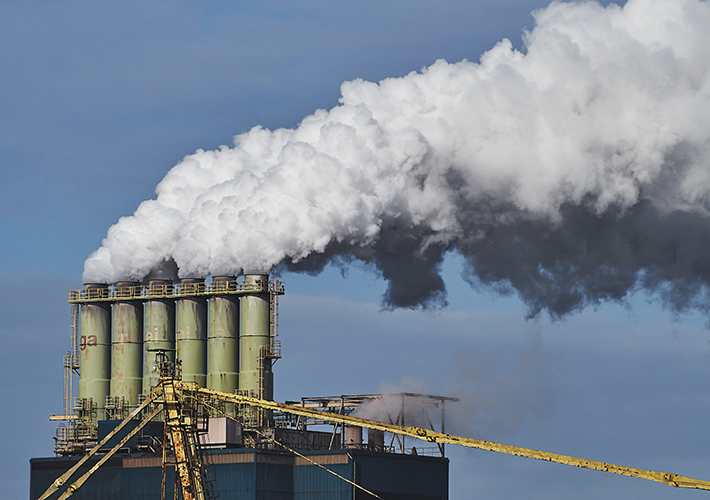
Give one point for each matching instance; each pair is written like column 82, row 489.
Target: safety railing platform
column 114, row 293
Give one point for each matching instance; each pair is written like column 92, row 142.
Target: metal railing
column 112, row 293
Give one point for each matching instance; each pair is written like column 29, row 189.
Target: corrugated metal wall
column 110, row 482
column 310, row 482
column 261, row 475
column 398, row 477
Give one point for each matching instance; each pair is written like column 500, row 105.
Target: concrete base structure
column 248, row 474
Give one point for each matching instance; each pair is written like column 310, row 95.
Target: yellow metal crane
column 182, row 427
column 441, row 438
column 174, row 397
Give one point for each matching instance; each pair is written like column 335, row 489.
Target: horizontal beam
column 439, row 437
column 61, row 480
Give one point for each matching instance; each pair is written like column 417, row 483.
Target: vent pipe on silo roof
column 94, row 382
column 127, row 345
column 159, row 330
column 375, row 440
column 223, row 338
column 353, row 436
column 191, row 332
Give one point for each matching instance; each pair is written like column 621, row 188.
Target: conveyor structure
column 179, row 401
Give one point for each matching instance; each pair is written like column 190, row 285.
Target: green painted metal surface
column 223, row 340
column 255, row 333
column 159, row 333
column 95, row 355
column 127, row 349
column 191, row 334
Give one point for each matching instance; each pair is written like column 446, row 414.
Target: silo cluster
column 221, row 331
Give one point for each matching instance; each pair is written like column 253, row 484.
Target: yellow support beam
column 172, row 394
column 61, row 480
column 182, row 431
column 79, row 482
column 438, row 437
column 73, row 416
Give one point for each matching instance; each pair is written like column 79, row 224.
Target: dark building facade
column 250, row 474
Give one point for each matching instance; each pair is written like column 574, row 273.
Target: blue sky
column 98, row 102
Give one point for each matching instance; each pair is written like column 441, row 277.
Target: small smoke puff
column 398, row 409
column 526, row 163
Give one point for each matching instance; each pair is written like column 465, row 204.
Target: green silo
column 223, row 337
column 159, row 330
column 255, row 337
column 191, row 331
column 95, row 347
column 127, row 344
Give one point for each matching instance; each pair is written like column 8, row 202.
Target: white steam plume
column 571, row 173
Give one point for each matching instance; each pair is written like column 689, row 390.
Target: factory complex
column 174, row 385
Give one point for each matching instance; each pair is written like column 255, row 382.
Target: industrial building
column 264, row 474
column 218, row 335
column 175, row 400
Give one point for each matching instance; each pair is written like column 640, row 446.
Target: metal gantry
column 390, row 408
column 432, row 436
column 178, row 401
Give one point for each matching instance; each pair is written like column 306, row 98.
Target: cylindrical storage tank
column 159, row 330
column 127, row 345
column 223, row 338
column 375, row 440
column 255, row 337
column 191, row 332
column 353, row 436
column 95, row 346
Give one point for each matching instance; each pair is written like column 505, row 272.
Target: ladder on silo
column 67, row 434
column 271, row 351
column 274, row 343
column 74, row 342
column 72, row 360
